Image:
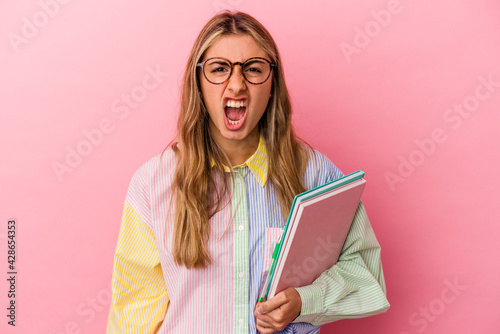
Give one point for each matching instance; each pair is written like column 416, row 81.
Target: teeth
column 234, row 122
column 234, row 104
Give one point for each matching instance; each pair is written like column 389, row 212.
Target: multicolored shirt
column 152, row 294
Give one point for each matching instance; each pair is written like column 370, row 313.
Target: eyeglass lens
column 218, row 70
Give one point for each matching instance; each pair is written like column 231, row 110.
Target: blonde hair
column 197, row 198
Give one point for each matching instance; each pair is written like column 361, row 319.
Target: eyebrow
column 217, row 61
column 255, row 61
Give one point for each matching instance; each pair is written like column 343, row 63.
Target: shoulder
column 156, row 172
column 320, row 169
column 159, row 165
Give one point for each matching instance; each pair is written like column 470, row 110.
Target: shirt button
column 242, row 274
column 241, row 322
column 241, row 227
column 238, row 181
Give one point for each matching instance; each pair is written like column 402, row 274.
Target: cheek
column 263, row 98
column 204, row 90
column 210, row 94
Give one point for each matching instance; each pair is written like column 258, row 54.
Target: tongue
column 235, row 114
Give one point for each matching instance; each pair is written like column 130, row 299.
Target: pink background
column 382, row 106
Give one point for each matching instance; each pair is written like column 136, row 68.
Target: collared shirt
column 221, row 298
column 257, row 163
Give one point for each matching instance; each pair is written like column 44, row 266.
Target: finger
column 258, row 315
column 262, row 323
column 275, row 320
column 258, row 312
column 264, row 319
column 272, row 304
column 267, row 323
column 265, row 329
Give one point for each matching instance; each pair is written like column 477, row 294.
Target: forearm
column 352, row 288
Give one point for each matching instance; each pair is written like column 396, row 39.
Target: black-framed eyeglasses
column 255, row 70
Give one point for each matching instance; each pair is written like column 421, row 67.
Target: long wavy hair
column 197, row 198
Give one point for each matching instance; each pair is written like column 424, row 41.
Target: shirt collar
column 257, row 163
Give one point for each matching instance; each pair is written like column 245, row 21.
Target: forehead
column 235, row 48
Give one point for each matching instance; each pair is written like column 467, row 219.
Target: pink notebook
column 315, row 234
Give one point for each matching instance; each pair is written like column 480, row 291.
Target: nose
column 236, row 82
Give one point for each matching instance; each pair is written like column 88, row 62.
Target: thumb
column 269, row 305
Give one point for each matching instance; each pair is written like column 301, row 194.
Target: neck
column 238, row 151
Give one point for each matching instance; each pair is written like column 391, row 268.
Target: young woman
column 191, row 247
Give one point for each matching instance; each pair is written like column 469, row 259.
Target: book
column 314, row 235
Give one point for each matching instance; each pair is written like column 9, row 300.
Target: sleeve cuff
column 312, row 302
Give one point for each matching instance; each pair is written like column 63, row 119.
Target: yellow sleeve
column 139, row 296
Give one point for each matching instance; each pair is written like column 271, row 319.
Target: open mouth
column 235, row 112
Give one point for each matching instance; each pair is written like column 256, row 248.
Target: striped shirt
column 151, row 294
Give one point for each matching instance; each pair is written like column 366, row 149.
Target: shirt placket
column 241, row 251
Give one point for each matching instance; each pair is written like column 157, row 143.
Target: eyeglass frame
column 271, row 66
